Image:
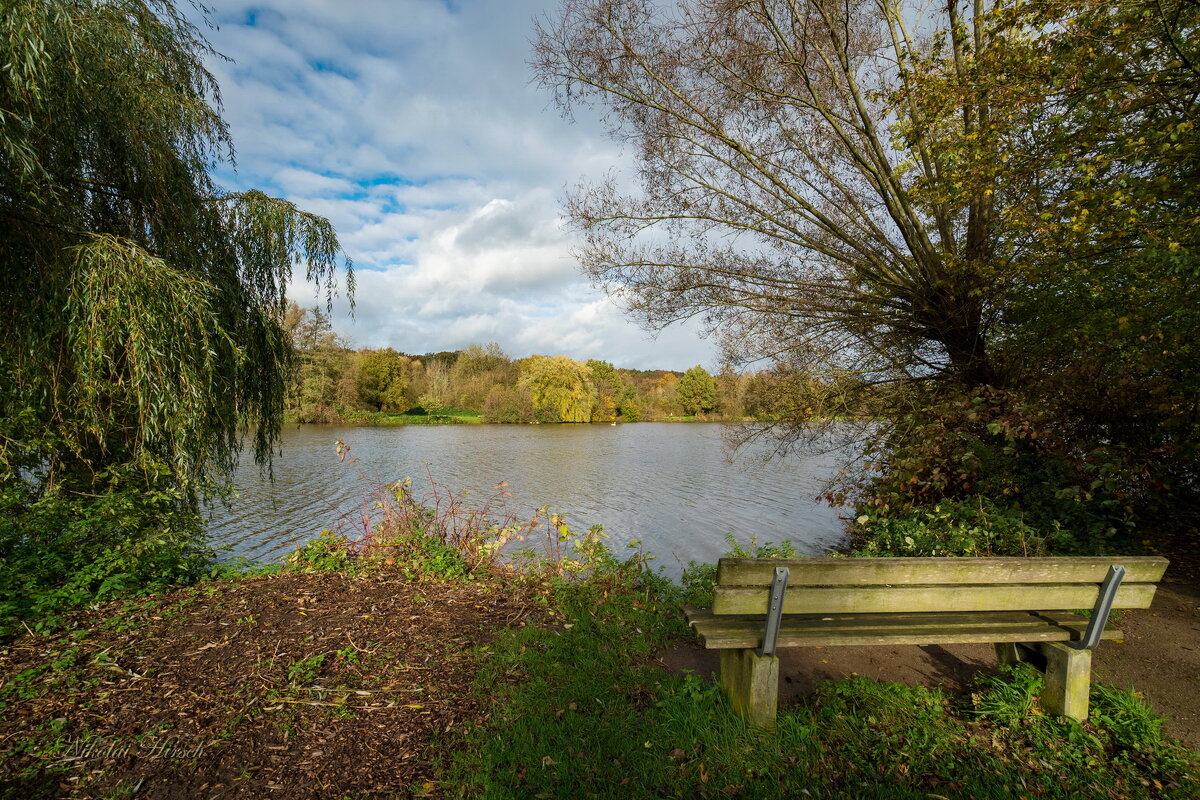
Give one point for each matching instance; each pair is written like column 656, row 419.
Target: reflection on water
column 667, row 485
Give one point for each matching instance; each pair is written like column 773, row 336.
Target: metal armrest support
column 774, row 611
column 1108, row 591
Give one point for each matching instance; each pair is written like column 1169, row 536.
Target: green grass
column 450, row 416
column 582, row 711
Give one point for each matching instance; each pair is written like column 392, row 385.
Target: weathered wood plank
column 805, row 599
column 791, row 635
column 945, row 618
column 876, row 571
column 1064, row 618
column 734, row 625
column 999, row 620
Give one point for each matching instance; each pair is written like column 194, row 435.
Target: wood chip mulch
column 291, row 686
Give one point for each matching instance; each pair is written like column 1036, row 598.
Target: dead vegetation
column 318, row 685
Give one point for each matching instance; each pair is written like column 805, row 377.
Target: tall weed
column 699, row 578
column 450, row 534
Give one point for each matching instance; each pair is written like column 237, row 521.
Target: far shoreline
column 379, row 419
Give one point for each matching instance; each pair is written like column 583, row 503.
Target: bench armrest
column 774, row 611
column 1100, row 612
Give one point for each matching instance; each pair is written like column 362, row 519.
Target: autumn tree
column 775, row 202
column 1103, row 332
column 1087, row 148
column 381, row 380
column 697, row 391
column 662, row 396
column 609, row 390
column 731, row 394
column 324, row 373
column 509, row 404
column 476, row 369
column 986, row 209
column 559, row 387
column 437, row 384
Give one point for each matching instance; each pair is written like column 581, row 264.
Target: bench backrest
column 875, row 585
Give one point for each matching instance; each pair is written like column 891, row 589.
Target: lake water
column 670, row 486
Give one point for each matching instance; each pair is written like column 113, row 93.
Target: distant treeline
column 333, row 382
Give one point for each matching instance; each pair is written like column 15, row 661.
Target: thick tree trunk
column 969, row 359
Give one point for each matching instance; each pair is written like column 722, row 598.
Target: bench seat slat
column 829, row 622
column 915, row 636
column 877, row 571
column 808, row 599
column 725, row 632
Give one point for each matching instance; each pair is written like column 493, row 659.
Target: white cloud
column 413, row 127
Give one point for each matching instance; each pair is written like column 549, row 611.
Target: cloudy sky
column 413, row 126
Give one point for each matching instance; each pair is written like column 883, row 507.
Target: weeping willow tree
column 141, row 340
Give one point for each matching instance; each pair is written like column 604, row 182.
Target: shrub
column 698, row 579
column 61, row 550
column 972, row 527
column 990, row 445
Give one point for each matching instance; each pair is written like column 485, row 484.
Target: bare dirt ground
column 1160, row 658
column 290, row 686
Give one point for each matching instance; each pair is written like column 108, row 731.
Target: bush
column 992, row 448
column 61, row 550
column 971, row 527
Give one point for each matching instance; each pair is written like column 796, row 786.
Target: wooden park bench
column 1024, row 606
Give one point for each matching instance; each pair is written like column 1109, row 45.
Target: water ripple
column 668, row 486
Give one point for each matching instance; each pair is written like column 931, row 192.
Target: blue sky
column 413, row 126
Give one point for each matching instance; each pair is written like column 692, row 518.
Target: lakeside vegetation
column 1004, row 294
column 336, row 383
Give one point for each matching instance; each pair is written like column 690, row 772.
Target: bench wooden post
column 1016, row 653
column 1067, row 670
column 751, row 682
column 1068, row 680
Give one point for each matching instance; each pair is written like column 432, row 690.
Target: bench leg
column 1068, row 680
column 1008, row 652
column 751, row 682
column 1017, row 653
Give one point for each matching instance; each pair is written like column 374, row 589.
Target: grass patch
column 449, row 416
